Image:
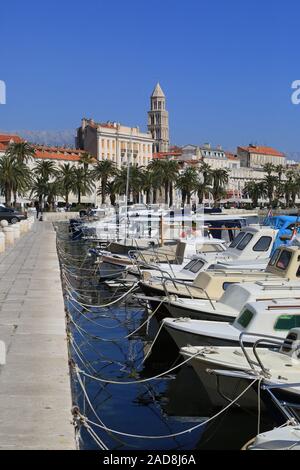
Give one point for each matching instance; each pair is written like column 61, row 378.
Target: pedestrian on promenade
column 37, row 208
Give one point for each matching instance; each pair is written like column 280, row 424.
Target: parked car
column 11, row 215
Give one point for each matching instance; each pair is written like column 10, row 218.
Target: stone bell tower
column 158, row 120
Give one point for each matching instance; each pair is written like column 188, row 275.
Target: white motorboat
column 284, row 438
column 273, row 366
column 198, row 300
column 271, row 317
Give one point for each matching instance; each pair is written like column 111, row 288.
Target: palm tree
column 66, row 178
column 102, row 171
column 291, row 187
column 43, row 171
column 83, row 184
column 219, row 179
column 270, row 182
column 53, row 190
column 280, row 170
column 147, row 177
column 255, row 191
column 86, row 159
column 21, row 151
column 135, row 182
column 269, row 168
column 171, row 173
column 203, row 186
column 13, row 174
column 112, row 191
column 156, row 167
column 187, row 182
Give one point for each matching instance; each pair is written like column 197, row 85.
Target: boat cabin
column 269, row 317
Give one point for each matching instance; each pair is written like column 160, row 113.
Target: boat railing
column 188, row 288
column 273, row 340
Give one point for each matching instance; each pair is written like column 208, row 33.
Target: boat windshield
column 237, row 239
column 246, row 240
column 262, row 244
column 284, row 259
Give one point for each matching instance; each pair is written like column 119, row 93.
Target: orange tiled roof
column 160, row 155
column 6, row 138
column 262, row 150
column 57, row 153
column 56, row 156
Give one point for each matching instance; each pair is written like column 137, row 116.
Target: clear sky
column 226, row 66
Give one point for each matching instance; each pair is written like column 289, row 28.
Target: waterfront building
column 256, row 156
column 115, row 142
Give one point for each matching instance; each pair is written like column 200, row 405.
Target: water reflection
column 103, row 346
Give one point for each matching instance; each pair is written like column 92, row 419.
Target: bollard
column 30, row 222
column 26, row 226
column 17, row 230
column 22, row 228
column 2, row 242
column 9, row 236
column 4, row 223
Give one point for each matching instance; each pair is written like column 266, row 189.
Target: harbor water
column 127, row 408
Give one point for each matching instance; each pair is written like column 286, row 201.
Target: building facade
column 158, row 120
column 115, row 142
column 256, row 156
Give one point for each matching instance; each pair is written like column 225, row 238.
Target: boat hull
column 178, row 311
column 222, row 390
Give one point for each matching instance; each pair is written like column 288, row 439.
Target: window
column 284, row 259
column 236, row 240
column 191, row 263
column 246, row 240
column 286, row 322
column 274, row 257
column 197, row 266
column 245, row 318
column 262, row 244
column 227, row 284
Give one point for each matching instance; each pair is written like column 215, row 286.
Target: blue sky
column 225, row 66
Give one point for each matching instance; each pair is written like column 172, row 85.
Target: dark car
column 11, row 215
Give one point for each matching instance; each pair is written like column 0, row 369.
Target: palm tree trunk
column 67, row 197
column 7, row 195
column 103, row 186
column 112, row 199
column 189, row 198
column 148, row 196
column 154, row 196
column 171, row 194
column 79, row 197
column 15, row 198
column 166, row 192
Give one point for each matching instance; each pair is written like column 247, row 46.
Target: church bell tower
column 158, row 120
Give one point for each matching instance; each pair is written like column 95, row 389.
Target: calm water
column 158, row 407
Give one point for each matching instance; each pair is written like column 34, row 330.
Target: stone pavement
column 35, row 394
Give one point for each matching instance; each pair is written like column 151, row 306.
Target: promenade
column 35, row 396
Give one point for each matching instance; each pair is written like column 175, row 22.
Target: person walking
column 37, row 208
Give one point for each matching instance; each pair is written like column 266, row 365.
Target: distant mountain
column 56, row 138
